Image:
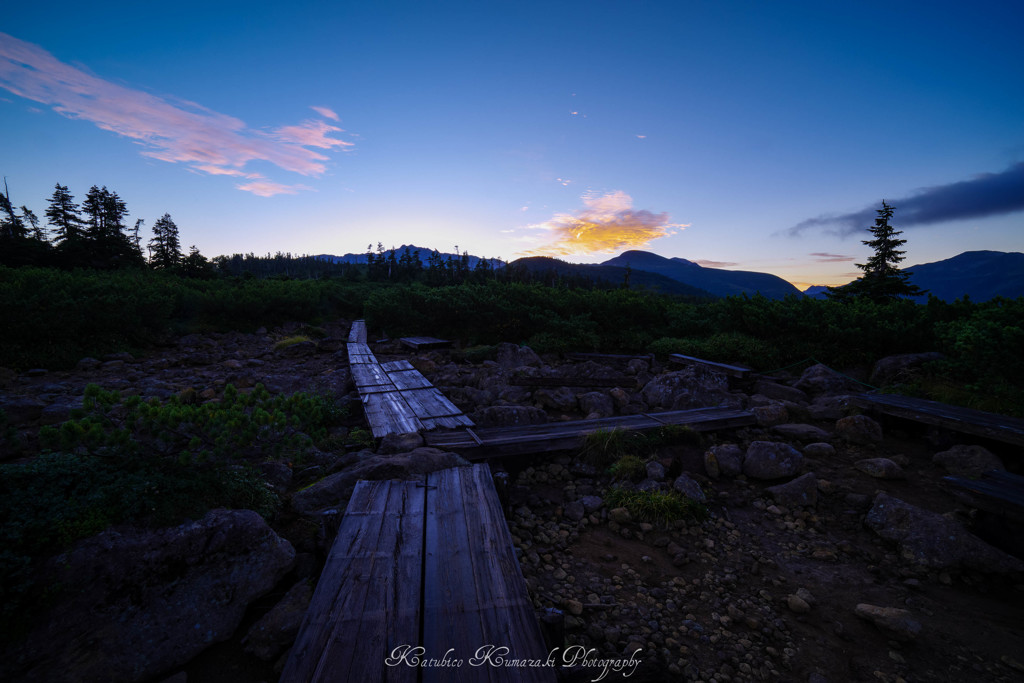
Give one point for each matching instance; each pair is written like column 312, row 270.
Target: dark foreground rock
column 138, row 604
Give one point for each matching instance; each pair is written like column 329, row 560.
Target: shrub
column 605, row 446
column 628, row 467
column 656, row 506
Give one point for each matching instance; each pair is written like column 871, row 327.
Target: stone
column 87, row 364
column 725, row 460
column 828, row 407
column 771, row 460
column 689, row 488
column 800, row 492
column 596, row 402
column 770, row 414
column 509, row 416
column 655, row 470
column 21, row 409
column 60, row 411
column 688, row 388
column 136, row 604
column 335, row 489
column 591, row 503
column 801, row 432
column 797, row 604
column 779, row 392
column 399, row 443
column 574, row 511
column 620, row 515
column 820, row 379
column 620, row 396
column 819, row 450
column 894, row 622
column 880, row 468
column 637, row 366
column 934, row 540
column 900, row 368
column 859, row 429
column 300, row 349
column 556, row 398
column 968, row 461
column 277, row 629
column 511, row 356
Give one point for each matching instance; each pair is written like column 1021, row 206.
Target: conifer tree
column 165, row 247
column 882, row 279
column 63, row 214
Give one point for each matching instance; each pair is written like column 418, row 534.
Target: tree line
column 93, row 234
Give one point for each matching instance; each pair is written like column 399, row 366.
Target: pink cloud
column 175, row 132
column 267, row 188
column 326, row 113
column 823, row 257
column 715, row 264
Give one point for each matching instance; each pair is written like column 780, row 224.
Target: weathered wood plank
column 409, row 379
column 424, row 343
column 367, row 601
column 969, row 421
column 614, row 357
column 430, row 403
column 357, row 333
column 731, row 370
column 369, row 376
column 387, row 413
column 998, row 492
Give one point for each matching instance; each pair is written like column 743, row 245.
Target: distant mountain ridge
column 424, row 255
column 613, row 275
column 981, row 275
column 715, row 280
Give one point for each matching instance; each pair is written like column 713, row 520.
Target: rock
column 277, row 474
column 334, row 490
column 801, row 432
column 276, row 630
column 770, row 414
column 933, row 540
column 122, row 356
column 689, row 488
column 894, row 622
column 801, row 492
column 620, row 396
column 298, row 350
column 591, row 503
column 574, row 607
column 797, row 604
column 637, row 366
column 508, row 416
column 21, row 409
column 136, row 604
column 400, row 443
column 688, row 388
column 771, row 460
column 968, row 461
column 511, row 356
column 725, row 460
column 819, row 450
column 87, row 364
column 561, row 399
column 900, row 368
column 859, row 429
column 655, row 470
column 574, row 511
column 596, row 402
column 828, row 407
column 880, row 468
column 60, row 411
column 820, row 379
column 620, row 515
column 779, row 392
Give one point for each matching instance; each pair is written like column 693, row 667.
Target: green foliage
column 674, row 435
column 628, row 467
column 656, row 506
column 478, row 354
column 605, row 446
column 361, row 438
column 290, row 341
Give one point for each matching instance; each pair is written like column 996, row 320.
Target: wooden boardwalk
column 492, row 442
column 998, row 492
column 414, row 566
column 424, row 343
column 955, row 418
column 730, row 370
column 396, row 397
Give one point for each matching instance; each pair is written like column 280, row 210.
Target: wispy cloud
column 606, row 224
column 823, row 257
column 267, row 188
column 988, row 194
column 170, row 130
column 715, row 264
column 326, row 113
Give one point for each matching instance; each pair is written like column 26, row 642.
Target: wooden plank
column 528, row 381
column 614, row 357
column 367, row 601
column 409, row 379
column 357, row 333
column 430, row 403
column 387, row 413
column 423, row 343
column 500, row 441
column 998, row 492
column 969, row 421
column 731, row 370
column 370, row 375
column 474, row 593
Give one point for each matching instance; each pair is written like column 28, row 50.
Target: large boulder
column 880, row 468
column 688, row 388
column 896, row 369
column 859, row 429
column 136, row 604
column 779, row 392
column 772, row 460
column 968, row 461
column 933, row 540
column 399, row 443
column 819, row 380
column 725, row 460
column 596, row 404
column 801, row 492
column 801, row 432
column 333, row 491
column 277, row 629
column 556, row 398
column 511, row 356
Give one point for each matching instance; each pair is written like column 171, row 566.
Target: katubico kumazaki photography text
column 500, row 656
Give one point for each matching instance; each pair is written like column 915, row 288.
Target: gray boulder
column 968, row 461
column 896, row 369
column 138, row 604
column 770, row 414
column 895, row 622
column 779, row 392
column 880, row 468
column 277, row 629
column 772, row 460
column 596, row 403
column 688, row 388
column 859, row 429
column 933, row 540
column 801, row 432
column 689, row 488
column 556, row 398
column 512, row 356
column 801, row 492
column 400, row 443
column 819, row 380
column 819, row 450
column 725, row 461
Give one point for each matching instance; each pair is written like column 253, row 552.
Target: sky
column 743, row 135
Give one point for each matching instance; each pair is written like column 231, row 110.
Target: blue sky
column 749, row 135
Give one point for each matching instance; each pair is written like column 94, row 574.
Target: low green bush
column 656, row 506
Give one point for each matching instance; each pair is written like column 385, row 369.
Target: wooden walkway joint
column 965, row 420
column 420, row 567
